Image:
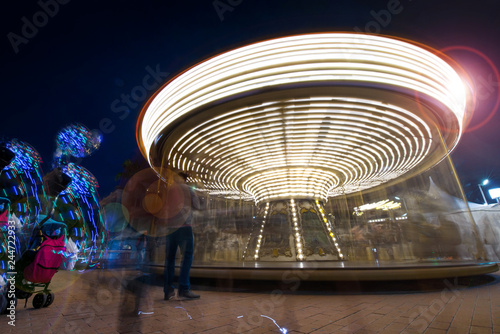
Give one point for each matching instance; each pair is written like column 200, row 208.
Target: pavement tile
column 107, row 330
column 366, row 331
column 458, row 330
column 439, row 325
column 434, row 331
column 351, row 328
column 395, row 328
column 480, row 330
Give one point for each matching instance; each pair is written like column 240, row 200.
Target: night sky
column 87, row 60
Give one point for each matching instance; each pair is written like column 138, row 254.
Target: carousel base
column 336, row 271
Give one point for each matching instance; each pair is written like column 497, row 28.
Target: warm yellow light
column 282, row 143
column 381, row 205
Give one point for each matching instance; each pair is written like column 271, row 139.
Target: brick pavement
column 103, row 301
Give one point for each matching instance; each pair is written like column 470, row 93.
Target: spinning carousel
column 296, row 143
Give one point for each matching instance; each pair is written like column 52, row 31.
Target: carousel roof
column 311, row 115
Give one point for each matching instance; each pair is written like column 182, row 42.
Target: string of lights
column 307, row 116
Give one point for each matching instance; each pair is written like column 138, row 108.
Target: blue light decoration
column 78, row 204
column 77, row 141
column 24, row 175
column 83, row 183
column 20, row 182
column 27, row 159
column 81, row 196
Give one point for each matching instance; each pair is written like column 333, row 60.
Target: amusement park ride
column 285, row 138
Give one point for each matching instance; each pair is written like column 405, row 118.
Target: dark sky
column 85, row 55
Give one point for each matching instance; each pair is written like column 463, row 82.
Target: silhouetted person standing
column 141, row 245
column 181, row 200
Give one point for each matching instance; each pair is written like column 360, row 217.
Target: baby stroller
column 40, row 262
column 43, row 255
column 47, row 245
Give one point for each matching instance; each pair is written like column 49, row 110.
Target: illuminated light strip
column 382, row 140
column 329, row 228
column 405, row 51
column 247, row 81
column 288, row 172
column 259, row 239
column 342, row 162
column 277, row 135
column 297, row 231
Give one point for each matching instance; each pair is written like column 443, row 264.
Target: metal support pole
column 482, row 193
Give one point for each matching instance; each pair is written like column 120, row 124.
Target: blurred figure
column 141, row 245
column 181, row 200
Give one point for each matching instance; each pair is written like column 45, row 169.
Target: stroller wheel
column 39, row 300
column 50, row 299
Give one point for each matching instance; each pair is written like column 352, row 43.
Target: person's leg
column 186, row 243
column 140, row 259
column 169, row 269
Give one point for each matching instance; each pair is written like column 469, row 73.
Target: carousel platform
column 337, row 271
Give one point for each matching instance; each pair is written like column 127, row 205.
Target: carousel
column 316, row 152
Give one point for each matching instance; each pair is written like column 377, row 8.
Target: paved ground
column 115, row 301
